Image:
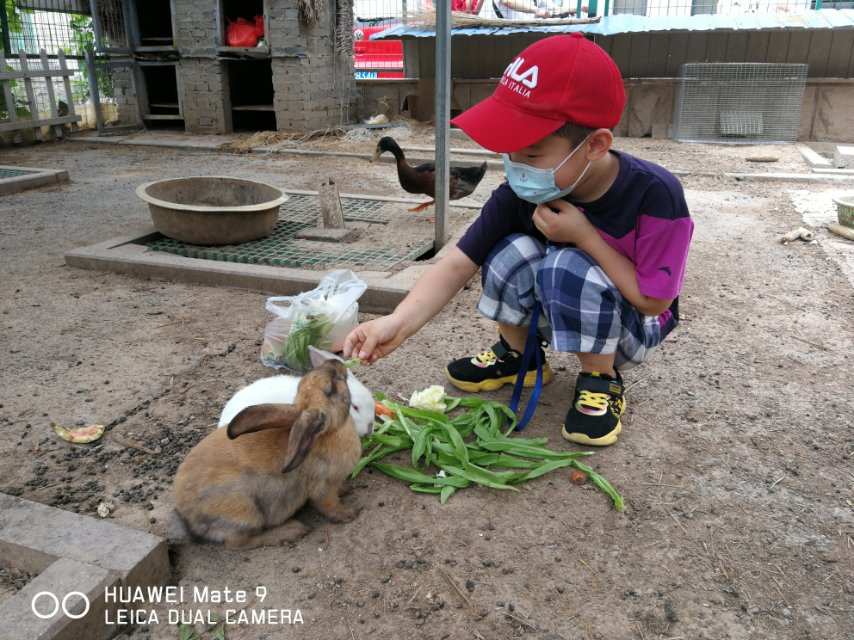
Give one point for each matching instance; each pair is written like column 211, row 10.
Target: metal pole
column 442, row 118
column 94, row 94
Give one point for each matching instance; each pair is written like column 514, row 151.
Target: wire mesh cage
column 739, row 102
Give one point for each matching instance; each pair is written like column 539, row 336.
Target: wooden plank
column 605, row 42
column 840, row 53
column 757, row 47
column 30, row 124
column 7, row 93
column 659, row 52
column 799, row 47
column 66, row 80
column 48, row 83
column 851, row 65
column 677, row 55
column 621, row 53
column 778, row 46
column 819, row 53
column 716, row 47
column 19, row 75
column 737, row 46
column 696, row 48
column 31, row 95
column 54, row 112
column 639, row 47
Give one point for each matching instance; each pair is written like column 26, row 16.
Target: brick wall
column 204, row 91
column 314, row 86
column 124, row 94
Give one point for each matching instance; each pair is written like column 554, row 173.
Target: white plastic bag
column 321, row 318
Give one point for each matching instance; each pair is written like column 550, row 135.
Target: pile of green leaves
column 474, row 446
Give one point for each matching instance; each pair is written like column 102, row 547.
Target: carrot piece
column 381, row 410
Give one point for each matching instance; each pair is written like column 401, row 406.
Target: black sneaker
column 594, row 417
column 493, row 368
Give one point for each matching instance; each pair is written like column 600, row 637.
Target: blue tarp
column 614, row 25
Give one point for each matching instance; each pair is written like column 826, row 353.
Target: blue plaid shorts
column 583, row 309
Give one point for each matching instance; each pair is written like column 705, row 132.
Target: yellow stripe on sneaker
column 491, row 384
column 583, row 439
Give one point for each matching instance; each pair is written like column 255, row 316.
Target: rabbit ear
column 305, row 431
column 262, row 416
column 319, row 356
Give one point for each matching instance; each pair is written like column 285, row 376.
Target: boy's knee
column 570, row 273
column 515, row 248
column 512, row 257
column 569, row 259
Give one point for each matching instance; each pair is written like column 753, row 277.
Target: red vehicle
column 376, row 58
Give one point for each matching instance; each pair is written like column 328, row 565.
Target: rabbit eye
column 355, row 408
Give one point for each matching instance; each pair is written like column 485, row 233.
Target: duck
column 422, row 178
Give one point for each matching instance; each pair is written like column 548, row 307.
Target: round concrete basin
column 212, row 210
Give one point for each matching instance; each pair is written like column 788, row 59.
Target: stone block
column 33, row 535
column 61, row 578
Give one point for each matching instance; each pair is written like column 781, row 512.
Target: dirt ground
column 735, row 459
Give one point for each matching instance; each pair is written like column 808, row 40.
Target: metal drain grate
column 302, row 208
column 14, row 173
column 281, row 250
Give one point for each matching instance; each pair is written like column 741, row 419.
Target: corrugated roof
column 613, row 25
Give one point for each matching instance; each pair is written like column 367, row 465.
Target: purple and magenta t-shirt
column 643, row 216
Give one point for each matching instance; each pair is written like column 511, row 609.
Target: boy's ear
column 599, row 143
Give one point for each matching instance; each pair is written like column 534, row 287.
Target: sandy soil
column 735, row 459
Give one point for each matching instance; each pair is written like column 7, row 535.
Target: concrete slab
column 127, row 255
column 813, row 158
column 843, row 157
column 87, row 585
column 33, row 178
column 34, row 535
column 77, row 558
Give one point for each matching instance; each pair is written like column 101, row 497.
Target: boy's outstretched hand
column 375, row 339
column 568, row 225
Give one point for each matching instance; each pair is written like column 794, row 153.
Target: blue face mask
column 538, row 185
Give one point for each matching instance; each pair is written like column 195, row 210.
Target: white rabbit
column 283, row 389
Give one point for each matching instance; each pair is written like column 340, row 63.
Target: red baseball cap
column 556, row 80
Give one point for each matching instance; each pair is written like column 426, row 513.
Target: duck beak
column 376, row 155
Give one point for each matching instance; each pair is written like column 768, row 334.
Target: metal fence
column 739, row 102
column 397, row 11
column 29, row 26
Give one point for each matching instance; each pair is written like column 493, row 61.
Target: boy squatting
column 598, row 237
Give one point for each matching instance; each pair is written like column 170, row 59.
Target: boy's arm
column 623, row 274
column 570, row 225
column 376, row 339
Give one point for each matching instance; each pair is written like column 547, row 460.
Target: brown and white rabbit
column 240, row 485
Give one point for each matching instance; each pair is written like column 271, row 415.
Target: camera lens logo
column 46, row 605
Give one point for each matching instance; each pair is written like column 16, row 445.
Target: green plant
column 473, row 447
column 13, row 16
column 83, row 39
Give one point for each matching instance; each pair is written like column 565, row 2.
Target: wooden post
column 331, row 212
column 31, row 95
column 51, row 96
column 66, row 81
